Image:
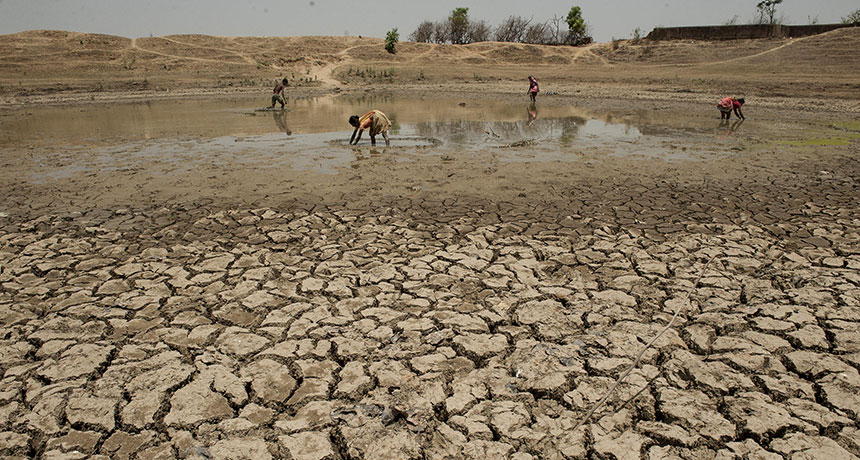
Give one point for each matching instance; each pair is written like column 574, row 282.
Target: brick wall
column 737, row 32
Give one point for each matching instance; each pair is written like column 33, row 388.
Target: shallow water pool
column 313, row 133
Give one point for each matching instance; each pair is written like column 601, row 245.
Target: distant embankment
column 738, row 32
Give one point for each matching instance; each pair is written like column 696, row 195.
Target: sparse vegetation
column 735, row 20
column 512, row 29
column 853, row 18
column 128, row 64
column 479, row 31
column 423, row 33
column 369, row 74
column 637, row 36
column 767, row 12
column 391, row 39
column 458, row 28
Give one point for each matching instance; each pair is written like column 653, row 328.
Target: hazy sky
column 608, row 18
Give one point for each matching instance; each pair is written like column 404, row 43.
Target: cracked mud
column 424, row 325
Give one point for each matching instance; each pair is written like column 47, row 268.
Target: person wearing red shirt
column 533, row 88
column 728, row 104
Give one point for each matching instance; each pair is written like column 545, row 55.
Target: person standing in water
column 728, row 104
column 533, row 88
column 278, row 93
column 375, row 122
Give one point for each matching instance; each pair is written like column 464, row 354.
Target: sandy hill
column 46, row 62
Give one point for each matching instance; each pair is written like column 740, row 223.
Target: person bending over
column 375, row 122
column 728, row 104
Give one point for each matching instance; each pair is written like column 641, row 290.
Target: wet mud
column 201, row 280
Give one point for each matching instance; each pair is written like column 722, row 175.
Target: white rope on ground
column 605, row 397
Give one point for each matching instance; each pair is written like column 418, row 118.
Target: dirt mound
column 191, row 62
column 682, row 52
column 837, row 48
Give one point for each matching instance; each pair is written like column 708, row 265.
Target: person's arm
column 357, row 131
column 367, row 123
column 739, row 114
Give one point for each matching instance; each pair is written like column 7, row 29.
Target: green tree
column 767, row 11
column 391, row 39
column 458, row 25
column 577, row 29
column 575, row 23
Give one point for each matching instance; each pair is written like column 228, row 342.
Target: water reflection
column 532, row 113
column 240, row 117
column 280, row 117
column 727, row 128
column 317, row 131
column 563, row 130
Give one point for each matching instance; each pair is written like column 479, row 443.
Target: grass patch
column 852, row 125
column 367, row 75
column 839, row 134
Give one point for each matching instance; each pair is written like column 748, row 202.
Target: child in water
column 728, row 104
column 375, row 122
column 533, row 88
column 278, row 93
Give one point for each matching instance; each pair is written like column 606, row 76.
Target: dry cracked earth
column 467, row 333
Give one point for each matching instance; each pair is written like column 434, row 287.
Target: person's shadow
column 280, row 117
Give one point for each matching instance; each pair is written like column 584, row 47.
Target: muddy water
column 243, row 117
column 312, row 133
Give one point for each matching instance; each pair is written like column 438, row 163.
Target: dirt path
column 589, row 49
column 792, row 42
column 249, row 60
column 325, row 73
column 137, row 47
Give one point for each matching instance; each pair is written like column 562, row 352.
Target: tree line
column 459, row 29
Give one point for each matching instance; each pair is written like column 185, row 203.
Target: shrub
column 479, row 31
column 391, row 39
column 423, row 34
column 513, row 29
